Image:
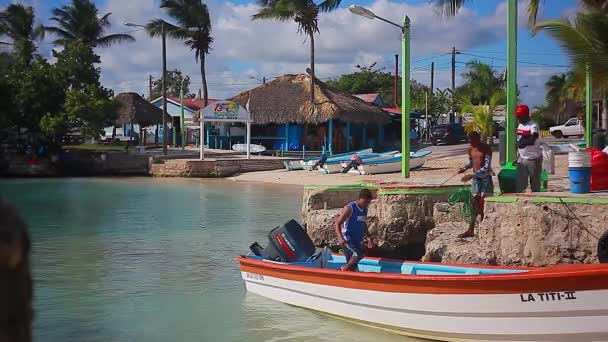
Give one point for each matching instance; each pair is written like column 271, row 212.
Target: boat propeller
column 602, row 248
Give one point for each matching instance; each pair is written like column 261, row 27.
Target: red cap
column 522, row 110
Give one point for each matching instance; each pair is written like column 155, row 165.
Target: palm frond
column 61, row 33
column 448, row 7
column 329, row 5
column 274, row 14
column 114, row 38
column 533, row 7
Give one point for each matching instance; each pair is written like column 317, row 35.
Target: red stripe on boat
column 284, row 246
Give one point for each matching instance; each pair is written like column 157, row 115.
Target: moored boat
column 308, row 164
column 417, row 160
column 336, row 166
column 444, row 302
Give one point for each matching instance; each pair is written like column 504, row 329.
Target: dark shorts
column 353, row 249
column 482, row 186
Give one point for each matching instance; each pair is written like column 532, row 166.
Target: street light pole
column 405, row 99
column 164, row 44
column 511, row 81
column 405, row 82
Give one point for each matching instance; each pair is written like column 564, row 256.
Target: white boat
column 253, row 148
column 338, row 165
column 444, row 302
column 309, row 163
column 417, row 160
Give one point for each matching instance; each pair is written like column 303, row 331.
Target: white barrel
column 579, row 159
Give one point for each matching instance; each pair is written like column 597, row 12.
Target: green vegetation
column 585, row 41
column 483, row 121
column 95, row 147
column 367, row 80
column 481, row 83
column 59, row 98
column 176, row 82
column 80, row 21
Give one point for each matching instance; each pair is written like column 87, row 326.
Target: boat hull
column 523, row 307
column 293, row 165
column 379, row 168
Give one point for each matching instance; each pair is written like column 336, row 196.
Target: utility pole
column 432, row 78
column 150, row 88
column 164, row 43
column 396, row 81
column 453, row 109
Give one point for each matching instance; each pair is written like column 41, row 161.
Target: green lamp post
column 405, row 83
column 511, row 152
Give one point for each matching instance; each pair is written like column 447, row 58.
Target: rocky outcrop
column 444, row 245
column 418, row 223
column 210, row 168
column 529, row 232
column 398, row 221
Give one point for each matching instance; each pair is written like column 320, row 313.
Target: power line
column 522, row 62
column 521, row 53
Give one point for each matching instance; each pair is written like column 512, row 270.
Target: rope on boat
column 464, row 196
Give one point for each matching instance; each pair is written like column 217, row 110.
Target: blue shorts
column 353, row 249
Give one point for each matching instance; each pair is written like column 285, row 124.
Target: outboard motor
column 602, row 248
column 287, row 243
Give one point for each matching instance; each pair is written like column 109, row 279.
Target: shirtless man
column 480, row 160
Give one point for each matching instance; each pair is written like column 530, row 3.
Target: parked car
column 448, row 134
column 572, row 127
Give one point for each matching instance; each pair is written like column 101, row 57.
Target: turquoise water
column 153, row 260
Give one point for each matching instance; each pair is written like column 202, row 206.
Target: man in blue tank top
column 351, row 228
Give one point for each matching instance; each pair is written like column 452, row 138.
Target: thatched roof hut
column 135, row 109
column 287, row 100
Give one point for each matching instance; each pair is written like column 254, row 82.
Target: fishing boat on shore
column 309, row 163
column 336, row 166
column 433, row 301
column 390, row 165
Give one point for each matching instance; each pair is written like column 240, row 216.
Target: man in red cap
column 530, row 160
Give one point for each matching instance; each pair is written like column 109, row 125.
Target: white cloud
column 243, row 47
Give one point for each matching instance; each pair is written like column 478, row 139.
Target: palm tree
column 483, row 115
column 17, row 22
column 306, row 14
column 193, row 27
column 481, row 82
column 586, row 43
column 558, row 95
column 80, row 20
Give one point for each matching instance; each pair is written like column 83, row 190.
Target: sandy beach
column 434, row 171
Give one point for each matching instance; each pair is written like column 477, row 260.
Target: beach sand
column 434, row 172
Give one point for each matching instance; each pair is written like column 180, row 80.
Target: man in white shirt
column 530, row 160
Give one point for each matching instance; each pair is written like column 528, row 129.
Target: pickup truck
column 572, row 127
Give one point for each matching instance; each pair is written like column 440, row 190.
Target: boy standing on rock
column 351, row 228
column 480, row 160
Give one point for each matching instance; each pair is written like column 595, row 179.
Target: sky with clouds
column 243, row 48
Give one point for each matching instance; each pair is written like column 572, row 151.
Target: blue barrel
column 580, row 179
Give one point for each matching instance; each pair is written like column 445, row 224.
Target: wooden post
column 330, row 124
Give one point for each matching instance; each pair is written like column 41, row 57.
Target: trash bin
column 507, row 179
column 579, row 172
